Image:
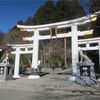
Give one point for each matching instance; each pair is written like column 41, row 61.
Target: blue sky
column 12, row 11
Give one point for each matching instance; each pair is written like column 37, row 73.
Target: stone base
column 83, row 80
column 33, row 76
column 16, row 76
column 98, row 80
column 72, row 78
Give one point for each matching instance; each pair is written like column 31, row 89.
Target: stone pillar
column 17, row 61
column 74, row 48
column 35, row 50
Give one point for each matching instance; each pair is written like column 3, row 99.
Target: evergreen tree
column 46, row 13
column 52, row 12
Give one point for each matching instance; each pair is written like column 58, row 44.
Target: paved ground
column 44, row 95
column 48, row 87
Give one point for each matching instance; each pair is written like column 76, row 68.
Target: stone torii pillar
column 74, row 48
column 35, row 49
column 17, row 61
column 35, row 40
column 35, row 54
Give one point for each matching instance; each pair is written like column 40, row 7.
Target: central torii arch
column 74, row 33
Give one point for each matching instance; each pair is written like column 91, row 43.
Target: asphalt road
column 6, row 94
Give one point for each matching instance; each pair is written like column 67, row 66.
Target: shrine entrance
column 74, row 33
column 25, row 63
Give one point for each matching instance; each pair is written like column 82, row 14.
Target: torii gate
column 20, row 49
column 73, row 24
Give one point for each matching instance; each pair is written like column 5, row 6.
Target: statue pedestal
column 6, row 71
column 86, row 74
column 33, row 74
